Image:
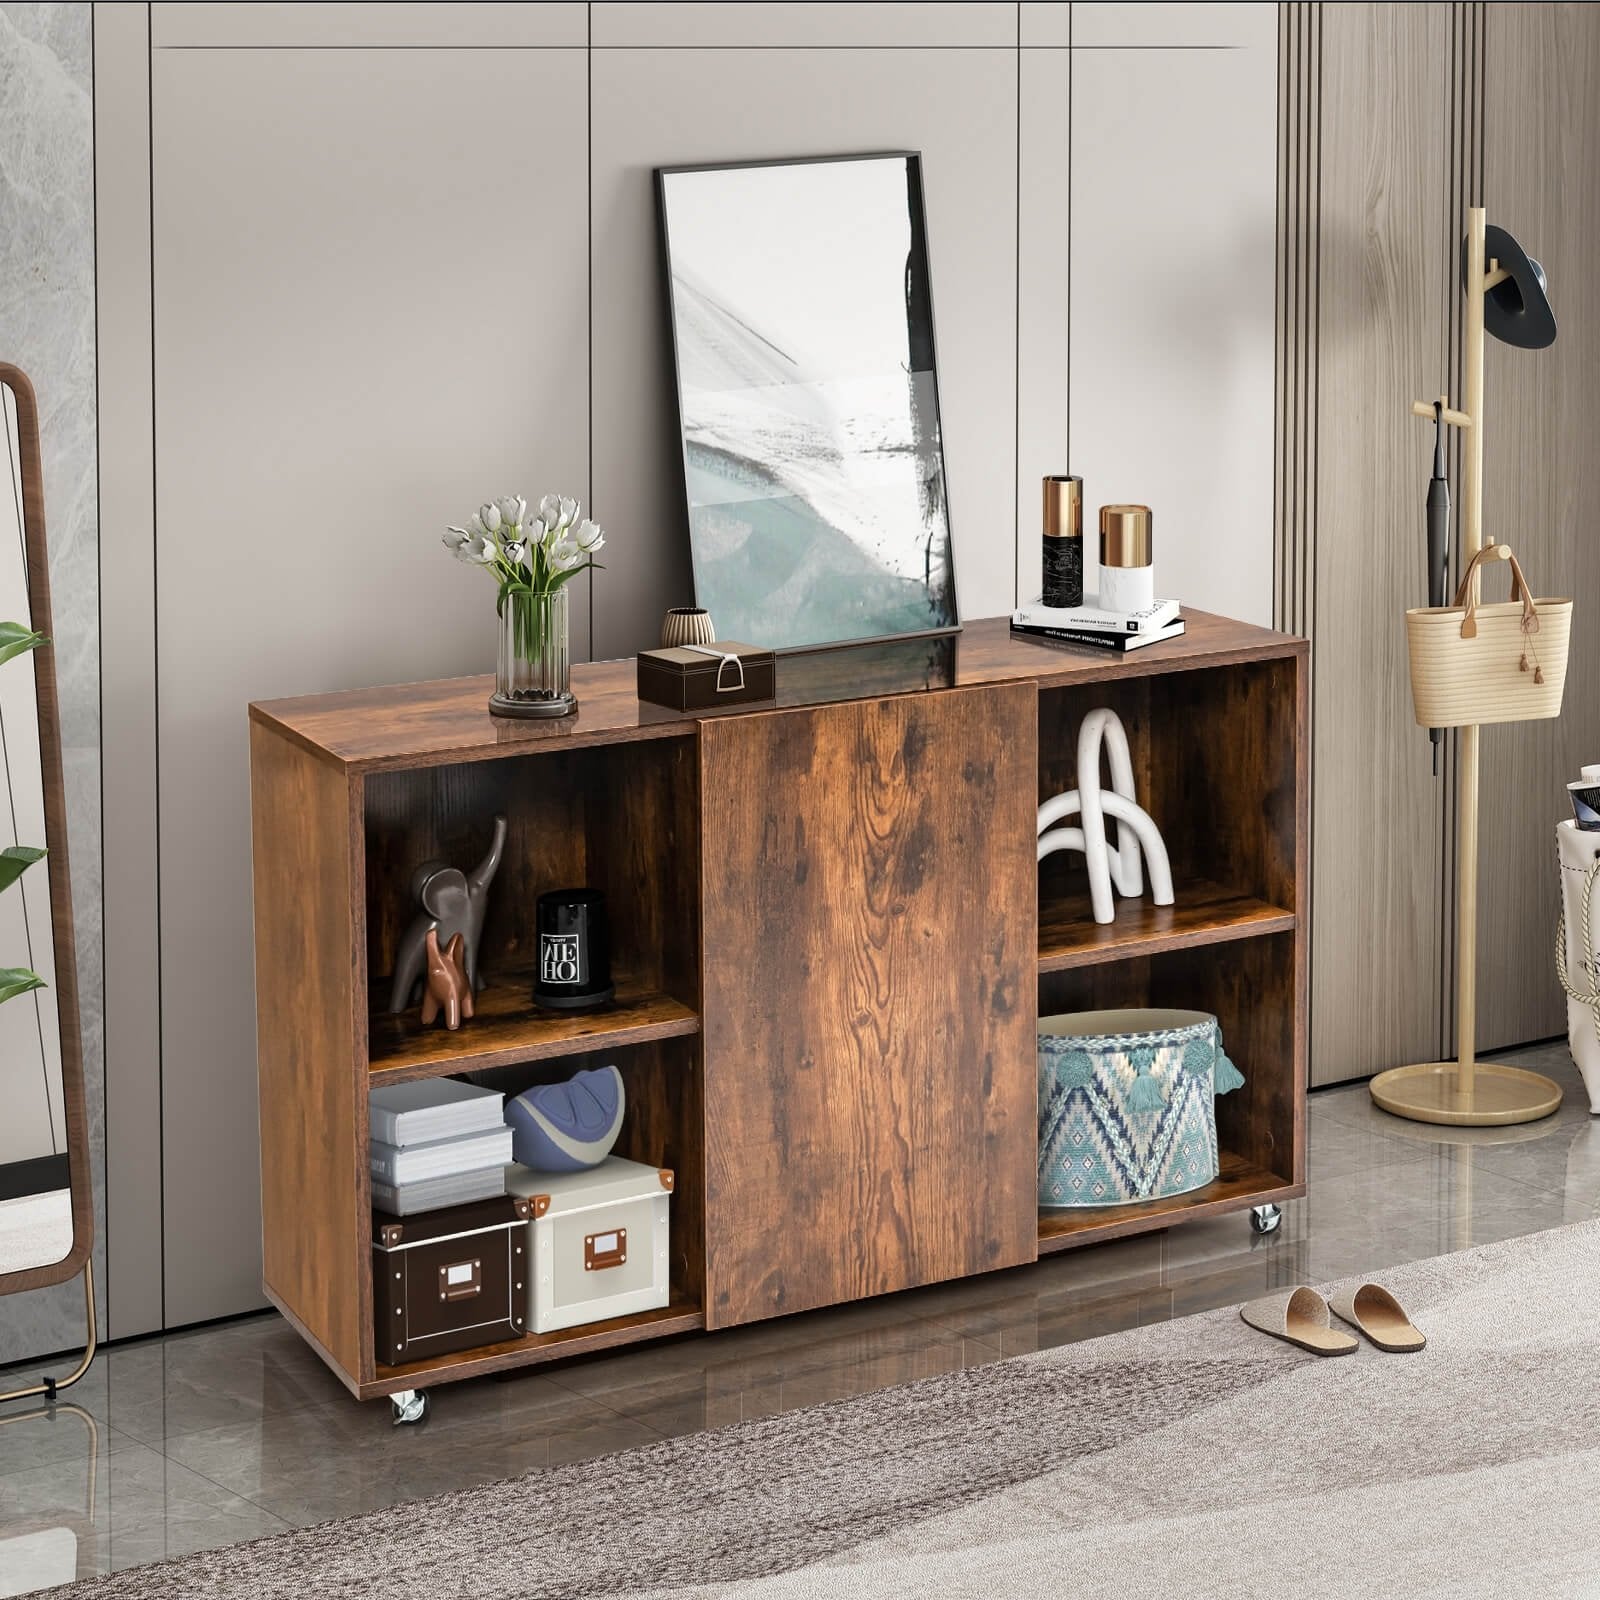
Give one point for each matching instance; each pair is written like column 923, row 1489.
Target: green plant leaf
column 16, row 640
column 17, row 980
column 15, row 859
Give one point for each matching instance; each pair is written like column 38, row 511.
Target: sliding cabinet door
column 870, row 970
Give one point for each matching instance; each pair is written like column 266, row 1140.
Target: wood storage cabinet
column 830, row 943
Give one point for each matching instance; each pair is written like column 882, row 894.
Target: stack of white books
column 436, row 1143
column 1091, row 625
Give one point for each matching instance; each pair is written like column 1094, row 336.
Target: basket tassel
column 1146, row 1094
column 1227, row 1076
column 1522, row 665
column 1538, row 674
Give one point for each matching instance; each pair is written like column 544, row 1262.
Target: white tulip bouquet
column 532, row 558
column 532, row 561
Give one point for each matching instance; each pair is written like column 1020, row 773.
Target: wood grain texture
column 1214, row 757
column 1203, row 913
column 310, row 1042
column 1382, row 276
column 1239, row 1184
column 57, row 864
column 429, row 724
column 869, row 958
column 1251, row 986
column 1541, row 486
column 618, row 818
column 509, row 1029
column 532, row 1350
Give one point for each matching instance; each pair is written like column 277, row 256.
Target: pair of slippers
column 1301, row 1317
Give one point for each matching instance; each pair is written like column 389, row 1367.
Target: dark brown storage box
column 449, row 1280
column 687, row 680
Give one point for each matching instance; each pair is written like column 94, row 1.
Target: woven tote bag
column 1503, row 662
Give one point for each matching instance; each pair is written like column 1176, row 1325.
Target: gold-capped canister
column 1063, row 508
column 1125, row 536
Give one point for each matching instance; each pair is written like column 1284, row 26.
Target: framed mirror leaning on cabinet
column 46, row 1201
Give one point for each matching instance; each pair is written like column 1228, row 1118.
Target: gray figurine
column 452, row 901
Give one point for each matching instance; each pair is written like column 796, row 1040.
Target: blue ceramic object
column 568, row 1127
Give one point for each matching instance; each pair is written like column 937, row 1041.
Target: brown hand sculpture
column 447, row 987
column 452, row 901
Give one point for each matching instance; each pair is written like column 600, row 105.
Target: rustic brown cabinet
column 831, row 942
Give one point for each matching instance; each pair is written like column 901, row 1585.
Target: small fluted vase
column 686, row 625
column 533, row 666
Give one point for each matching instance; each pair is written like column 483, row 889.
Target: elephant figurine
column 453, row 902
column 447, row 988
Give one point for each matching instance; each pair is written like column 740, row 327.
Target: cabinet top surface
column 448, row 720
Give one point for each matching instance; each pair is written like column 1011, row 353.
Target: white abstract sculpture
column 1136, row 834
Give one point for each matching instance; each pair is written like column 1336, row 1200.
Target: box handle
column 727, row 659
column 602, row 1250
column 460, row 1280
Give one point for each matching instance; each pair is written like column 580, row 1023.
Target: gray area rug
column 1193, row 1457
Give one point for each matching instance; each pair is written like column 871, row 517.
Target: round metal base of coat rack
column 1501, row 1094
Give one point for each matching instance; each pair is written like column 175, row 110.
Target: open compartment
column 663, row 1126
column 1250, row 987
column 1214, row 764
column 622, row 818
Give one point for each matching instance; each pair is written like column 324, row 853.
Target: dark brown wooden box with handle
column 830, row 941
column 448, row 1280
column 707, row 677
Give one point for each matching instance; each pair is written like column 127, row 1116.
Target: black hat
column 1517, row 310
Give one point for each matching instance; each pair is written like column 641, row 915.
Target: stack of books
column 436, row 1143
column 1088, row 625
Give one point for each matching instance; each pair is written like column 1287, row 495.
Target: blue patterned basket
column 1127, row 1105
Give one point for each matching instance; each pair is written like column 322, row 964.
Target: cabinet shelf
column 1241, row 1183
column 1205, row 913
column 510, row 1030
column 681, row 1316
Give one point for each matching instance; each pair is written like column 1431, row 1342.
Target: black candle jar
column 574, row 972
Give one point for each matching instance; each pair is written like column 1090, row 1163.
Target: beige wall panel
column 1174, row 197
column 250, row 25
column 128, row 665
column 1046, row 23
column 1377, row 811
column 1044, row 188
column 1238, row 26
column 833, row 25
column 653, row 109
column 370, row 290
column 1541, row 486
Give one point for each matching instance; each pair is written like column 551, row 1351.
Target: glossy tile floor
column 204, row 1438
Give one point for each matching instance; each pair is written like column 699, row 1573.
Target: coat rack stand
column 1466, row 1090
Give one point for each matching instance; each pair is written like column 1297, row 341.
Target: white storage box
column 599, row 1241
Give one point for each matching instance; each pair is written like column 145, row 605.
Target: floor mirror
column 46, row 1200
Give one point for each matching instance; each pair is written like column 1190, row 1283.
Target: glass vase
column 534, row 664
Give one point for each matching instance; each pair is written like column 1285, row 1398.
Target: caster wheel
column 1265, row 1219
column 410, row 1406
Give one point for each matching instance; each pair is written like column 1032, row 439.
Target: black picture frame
column 730, row 627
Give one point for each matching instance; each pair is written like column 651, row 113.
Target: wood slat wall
column 1367, row 151
column 1541, row 149
column 1390, row 125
